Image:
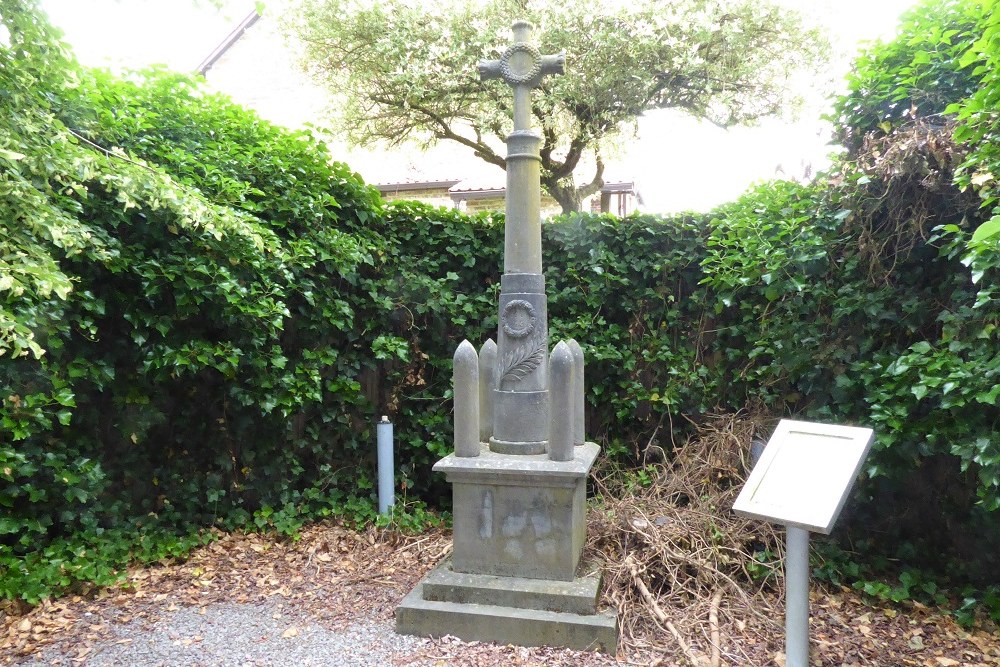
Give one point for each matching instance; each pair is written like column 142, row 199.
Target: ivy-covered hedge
column 178, row 331
column 201, row 314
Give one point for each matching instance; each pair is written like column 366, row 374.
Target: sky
column 677, row 162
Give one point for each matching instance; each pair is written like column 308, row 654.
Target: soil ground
column 335, row 575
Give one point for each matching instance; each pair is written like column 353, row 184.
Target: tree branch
column 444, row 130
column 548, row 145
column 596, row 184
column 560, row 171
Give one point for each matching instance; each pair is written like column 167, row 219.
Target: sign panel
column 805, row 474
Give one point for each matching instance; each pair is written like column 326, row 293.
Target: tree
column 407, row 71
column 914, row 76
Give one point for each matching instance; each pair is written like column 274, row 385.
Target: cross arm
column 552, row 64
column 489, row 69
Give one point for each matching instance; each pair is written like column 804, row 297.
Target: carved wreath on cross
column 518, row 73
column 519, row 318
column 526, row 70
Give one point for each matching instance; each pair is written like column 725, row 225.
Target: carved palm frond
column 519, row 362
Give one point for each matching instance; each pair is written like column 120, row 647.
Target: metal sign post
column 796, row 597
column 801, row 481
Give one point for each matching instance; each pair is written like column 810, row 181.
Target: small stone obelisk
column 519, row 481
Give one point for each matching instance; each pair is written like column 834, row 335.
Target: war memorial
column 520, row 466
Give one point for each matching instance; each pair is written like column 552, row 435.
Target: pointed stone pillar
column 563, row 393
column 579, row 394
column 487, row 383
column 465, row 384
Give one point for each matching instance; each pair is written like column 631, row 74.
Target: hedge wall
column 201, row 315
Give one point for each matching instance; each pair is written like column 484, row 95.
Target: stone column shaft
column 522, row 250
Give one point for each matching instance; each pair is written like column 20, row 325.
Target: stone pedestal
column 515, row 574
column 519, row 516
column 509, row 610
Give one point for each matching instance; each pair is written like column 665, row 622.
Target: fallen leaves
column 331, row 572
column 333, row 575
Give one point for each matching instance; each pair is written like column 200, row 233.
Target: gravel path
column 326, row 598
column 243, row 635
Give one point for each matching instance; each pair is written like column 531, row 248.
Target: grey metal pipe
column 386, row 474
column 796, row 597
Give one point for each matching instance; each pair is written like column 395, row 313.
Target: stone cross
column 522, row 67
column 521, row 400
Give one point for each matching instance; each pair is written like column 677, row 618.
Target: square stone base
column 519, row 516
column 508, row 610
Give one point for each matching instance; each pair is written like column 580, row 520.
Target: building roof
column 411, row 185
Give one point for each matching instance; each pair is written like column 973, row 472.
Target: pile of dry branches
column 679, row 565
column 912, row 190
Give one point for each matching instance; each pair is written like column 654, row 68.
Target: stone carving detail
column 522, row 72
column 519, row 362
column 519, row 318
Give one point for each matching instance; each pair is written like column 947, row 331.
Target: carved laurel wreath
column 534, row 71
column 519, row 362
column 509, row 313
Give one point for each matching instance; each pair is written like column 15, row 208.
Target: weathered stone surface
column 506, row 625
column 521, row 516
column 579, row 596
column 465, row 379
column 579, row 393
column 487, row 383
column 521, row 398
column 562, row 394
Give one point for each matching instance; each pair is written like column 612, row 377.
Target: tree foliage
column 408, row 71
column 980, row 125
column 914, row 76
column 167, row 336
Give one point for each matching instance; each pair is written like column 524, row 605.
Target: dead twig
column 441, row 554
column 683, row 644
column 672, row 549
column 661, row 616
column 713, row 623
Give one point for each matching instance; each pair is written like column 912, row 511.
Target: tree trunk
column 566, row 193
column 568, row 197
column 605, row 202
